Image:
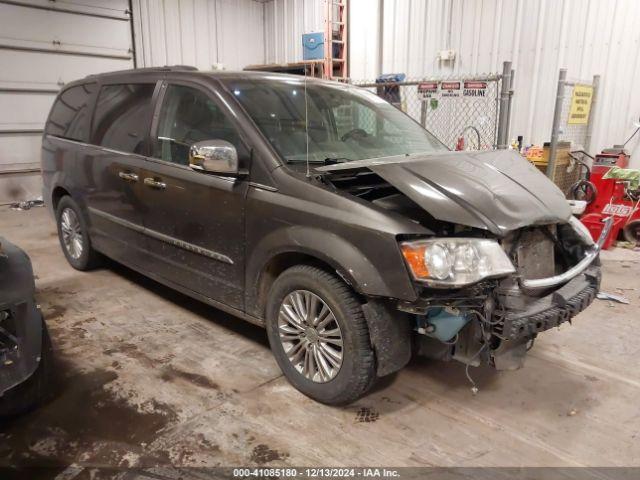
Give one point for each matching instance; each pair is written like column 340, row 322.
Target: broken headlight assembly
column 455, row 262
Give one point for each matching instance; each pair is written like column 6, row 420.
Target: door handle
column 128, row 176
column 150, row 182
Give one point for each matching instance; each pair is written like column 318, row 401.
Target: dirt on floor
column 146, row 377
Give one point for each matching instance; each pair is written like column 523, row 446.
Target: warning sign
column 428, row 89
column 451, row 89
column 580, row 105
column 475, row 89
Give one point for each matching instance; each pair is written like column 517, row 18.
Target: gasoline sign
column 475, row 89
column 427, row 89
column 580, row 105
column 450, row 89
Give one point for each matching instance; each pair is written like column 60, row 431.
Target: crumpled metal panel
column 497, row 191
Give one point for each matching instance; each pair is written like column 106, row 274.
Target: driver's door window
column 188, row 116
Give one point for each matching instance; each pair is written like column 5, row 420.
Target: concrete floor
column 148, row 377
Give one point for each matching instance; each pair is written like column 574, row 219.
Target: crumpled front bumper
column 554, row 309
column 580, row 286
column 21, row 321
column 591, row 255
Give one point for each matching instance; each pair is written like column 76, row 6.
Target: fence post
column 508, row 116
column 503, row 117
column 555, row 129
column 423, row 112
column 592, row 112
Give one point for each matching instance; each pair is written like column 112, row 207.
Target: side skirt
column 190, row 293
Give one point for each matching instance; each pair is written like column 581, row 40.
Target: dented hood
column 494, row 190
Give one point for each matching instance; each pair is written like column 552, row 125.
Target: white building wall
column 202, row 33
column 285, row 22
column 539, row 36
column 44, row 46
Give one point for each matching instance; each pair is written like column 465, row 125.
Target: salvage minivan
column 319, row 211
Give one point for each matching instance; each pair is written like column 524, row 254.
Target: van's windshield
column 344, row 123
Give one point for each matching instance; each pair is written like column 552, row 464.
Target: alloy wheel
column 310, row 336
column 71, row 233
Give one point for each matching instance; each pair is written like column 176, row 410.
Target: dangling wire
column 474, row 387
column 306, row 121
column 486, row 321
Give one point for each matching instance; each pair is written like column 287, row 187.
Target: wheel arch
column 305, row 245
column 280, row 262
column 56, row 195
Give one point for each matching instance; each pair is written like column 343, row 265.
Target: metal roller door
column 43, row 45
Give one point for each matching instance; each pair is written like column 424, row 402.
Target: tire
column 356, row 373
column 29, row 394
column 631, row 232
column 87, row 258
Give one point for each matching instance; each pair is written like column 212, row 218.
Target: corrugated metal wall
column 44, row 45
column 285, row 22
column 540, row 36
column 199, row 32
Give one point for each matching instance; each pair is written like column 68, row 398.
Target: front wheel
column 319, row 336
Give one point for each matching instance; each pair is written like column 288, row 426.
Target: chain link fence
column 572, row 124
column 463, row 112
column 575, row 126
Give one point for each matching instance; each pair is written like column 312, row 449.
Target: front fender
column 366, row 273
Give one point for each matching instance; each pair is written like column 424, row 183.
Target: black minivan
column 319, row 211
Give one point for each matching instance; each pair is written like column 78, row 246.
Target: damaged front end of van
column 504, row 260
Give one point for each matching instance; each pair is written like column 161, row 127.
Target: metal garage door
column 43, row 45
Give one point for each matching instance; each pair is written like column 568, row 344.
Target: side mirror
column 214, row 156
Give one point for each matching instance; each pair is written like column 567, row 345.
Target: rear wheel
column 74, row 236
column 319, row 335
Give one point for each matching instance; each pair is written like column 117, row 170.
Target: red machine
column 612, row 197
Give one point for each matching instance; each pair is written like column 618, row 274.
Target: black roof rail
column 166, row 68
column 190, row 68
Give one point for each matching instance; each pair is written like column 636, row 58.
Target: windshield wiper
column 336, row 160
column 326, row 161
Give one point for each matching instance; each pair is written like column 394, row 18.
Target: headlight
column 454, row 262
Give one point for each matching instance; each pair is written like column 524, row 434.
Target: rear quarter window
column 70, row 115
column 123, row 116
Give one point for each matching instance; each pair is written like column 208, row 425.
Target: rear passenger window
column 123, row 116
column 71, row 116
column 188, row 116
